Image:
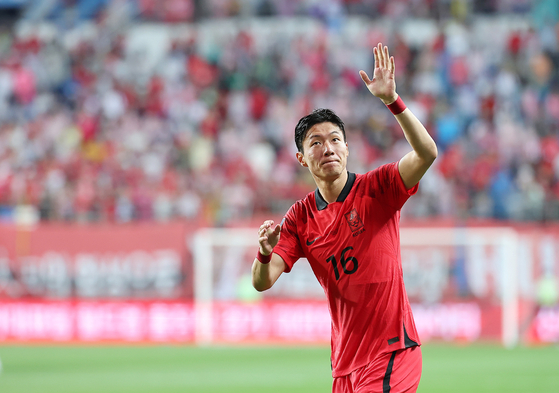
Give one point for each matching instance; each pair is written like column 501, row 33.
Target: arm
column 413, row 165
column 264, row 276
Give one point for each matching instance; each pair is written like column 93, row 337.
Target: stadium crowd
column 130, row 114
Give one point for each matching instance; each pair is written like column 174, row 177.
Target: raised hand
column 383, row 84
column 268, row 236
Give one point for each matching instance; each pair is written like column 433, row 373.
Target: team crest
column 353, row 220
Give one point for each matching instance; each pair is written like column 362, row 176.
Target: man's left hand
column 383, row 84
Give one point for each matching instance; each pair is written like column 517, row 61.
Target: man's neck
column 331, row 189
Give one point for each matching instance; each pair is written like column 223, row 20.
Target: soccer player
column 348, row 229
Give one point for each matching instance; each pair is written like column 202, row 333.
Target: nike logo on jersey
column 310, row 242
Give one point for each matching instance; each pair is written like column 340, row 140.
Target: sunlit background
column 142, row 142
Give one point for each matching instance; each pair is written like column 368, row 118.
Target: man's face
column 325, row 151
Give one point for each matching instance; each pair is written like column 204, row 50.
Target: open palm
column 383, row 84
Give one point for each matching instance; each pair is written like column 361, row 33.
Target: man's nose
column 328, row 150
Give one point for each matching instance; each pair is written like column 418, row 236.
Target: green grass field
column 162, row 369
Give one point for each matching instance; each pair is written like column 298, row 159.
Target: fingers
column 386, row 57
column 266, row 230
column 265, row 225
column 364, row 76
column 383, row 58
column 392, row 65
column 380, row 62
column 268, row 236
column 263, row 230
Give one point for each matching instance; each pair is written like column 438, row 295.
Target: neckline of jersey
column 321, row 204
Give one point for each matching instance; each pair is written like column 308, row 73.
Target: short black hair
column 317, row 116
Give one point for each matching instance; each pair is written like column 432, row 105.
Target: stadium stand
column 141, row 110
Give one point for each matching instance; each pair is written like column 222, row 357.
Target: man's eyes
column 333, row 140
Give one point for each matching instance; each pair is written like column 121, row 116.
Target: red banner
column 105, row 261
column 233, row 322
column 455, row 290
column 546, row 325
column 64, row 321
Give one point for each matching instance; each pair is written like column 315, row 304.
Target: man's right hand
column 268, row 236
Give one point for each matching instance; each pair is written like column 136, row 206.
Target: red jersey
column 353, row 247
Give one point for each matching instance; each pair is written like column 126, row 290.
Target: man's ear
column 301, row 159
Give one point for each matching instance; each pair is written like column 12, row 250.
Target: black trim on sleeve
column 386, row 380
column 321, row 204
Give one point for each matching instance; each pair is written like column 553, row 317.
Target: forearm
column 413, row 165
column 417, row 136
column 264, row 275
column 261, row 280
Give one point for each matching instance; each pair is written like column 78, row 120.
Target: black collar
column 321, row 204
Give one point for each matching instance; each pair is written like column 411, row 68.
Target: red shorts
column 395, row 372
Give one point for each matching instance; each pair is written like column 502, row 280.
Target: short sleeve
column 386, row 184
column 289, row 246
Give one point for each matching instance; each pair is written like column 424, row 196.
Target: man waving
column 348, row 229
